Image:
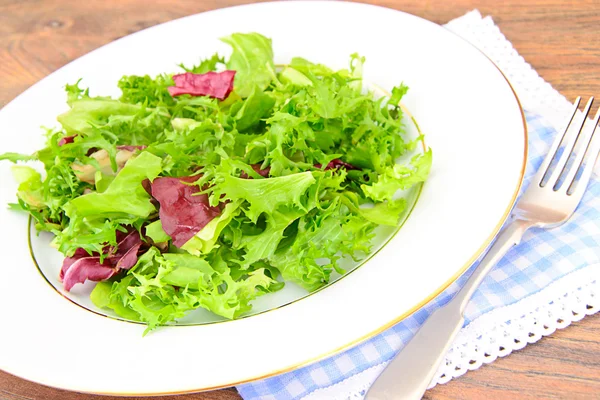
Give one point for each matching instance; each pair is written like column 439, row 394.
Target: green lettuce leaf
column 252, row 59
column 102, row 181
column 398, row 177
column 155, row 232
column 398, row 93
column 162, row 288
column 124, row 123
column 263, row 245
column 387, row 213
column 30, row 188
column 145, row 91
column 206, row 65
column 295, row 77
column 124, row 195
column 187, row 270
column 86, row 113
column 254, row 108
column 314, row 253
column 264, row 195
column 14, row 157
column 102, row 297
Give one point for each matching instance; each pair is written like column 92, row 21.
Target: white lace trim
column 499, row 332
column 503, row 330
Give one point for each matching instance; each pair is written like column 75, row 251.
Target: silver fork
column 549, row 201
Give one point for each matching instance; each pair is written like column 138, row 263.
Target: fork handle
column 409, row 374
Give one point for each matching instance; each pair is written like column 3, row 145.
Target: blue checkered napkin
column 543, row 257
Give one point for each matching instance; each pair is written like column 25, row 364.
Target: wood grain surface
column 560, row 38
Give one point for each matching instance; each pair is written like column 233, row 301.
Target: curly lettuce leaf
column 188, row 270
column 206, row 65
column 398, row 93
column 387, row 213
column 102, row 297
column 162, row 288
column 398, row 176
column 129, row 124
column 315, row 251
column 144, row 90
column 263, row 245
column 264, row 195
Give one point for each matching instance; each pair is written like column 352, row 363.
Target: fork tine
column 578, row 162
column 543, row 169
column 591, row 152
column 572, row 139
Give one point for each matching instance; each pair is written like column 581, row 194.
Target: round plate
column 472, row 121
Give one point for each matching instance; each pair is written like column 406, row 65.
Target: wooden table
column 560, row 38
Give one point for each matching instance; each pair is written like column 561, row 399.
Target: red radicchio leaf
column 87, row 268
column 337, row 163
column 181, row 213
column 68, row 261
column 147, row 185
column 83, row 266
column 129, row 259
column 127, row 249
column 214, row 84
column 66, row 140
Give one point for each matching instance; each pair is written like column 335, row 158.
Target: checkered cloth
column 542, row 257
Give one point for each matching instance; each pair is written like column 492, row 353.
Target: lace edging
column 510, row 328
column 499, row 332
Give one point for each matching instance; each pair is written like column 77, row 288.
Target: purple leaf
column 214, row 84
column 129, row 259
column 82, row 266
column 66, row 140
column 87, row 268
column 68, row 261
column 337, row 163
column 182, row 213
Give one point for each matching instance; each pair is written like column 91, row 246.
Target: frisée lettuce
column 209, row 188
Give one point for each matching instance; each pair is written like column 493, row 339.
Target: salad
column 220, row 184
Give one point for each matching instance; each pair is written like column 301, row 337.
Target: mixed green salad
column 220, row 184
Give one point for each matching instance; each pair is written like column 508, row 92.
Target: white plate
column 471, row 118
